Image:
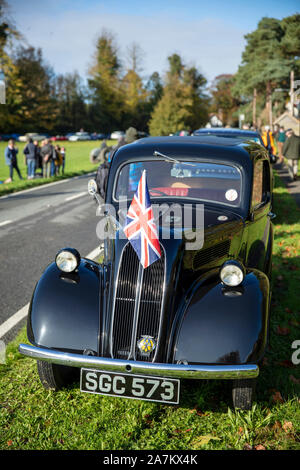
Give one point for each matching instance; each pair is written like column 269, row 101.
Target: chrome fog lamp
column 67, row 260
column 232, row 273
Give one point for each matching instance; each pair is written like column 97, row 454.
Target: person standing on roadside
column 58, row 160
column 11, row 160
column 291, row 151
column 63, row 154
column 30, row 154
column 47, row 154
column 281, row 140
column 38, row 157
column 268, row 140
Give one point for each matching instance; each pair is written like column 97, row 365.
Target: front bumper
column 180, row 371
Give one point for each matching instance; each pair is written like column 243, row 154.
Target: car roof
column 227, row 131
column 212, row 148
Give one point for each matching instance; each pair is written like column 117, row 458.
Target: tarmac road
column 34, row 225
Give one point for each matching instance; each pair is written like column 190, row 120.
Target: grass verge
column 77, row 163
column 32, row 418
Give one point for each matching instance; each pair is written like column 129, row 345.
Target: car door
column 259, row 224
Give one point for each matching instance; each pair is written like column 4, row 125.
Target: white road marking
column 22, row 313
column 5, row 222
column 93, row 254
column 13, row 320
column 70, row 198
column 41, row 186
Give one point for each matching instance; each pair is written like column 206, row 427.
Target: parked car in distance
column 33, row 136
column 230, row 132
column 142, row 134
column 79, row 136
column 99, row 136
column 6, row 137
column 69, row 134
column 199, row 311
column 117, row 134
column 58, row 138
column 182, row 133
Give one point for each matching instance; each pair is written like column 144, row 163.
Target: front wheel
column 55, row 377
column 243, row 393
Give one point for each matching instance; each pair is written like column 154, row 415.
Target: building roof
column 290, row 121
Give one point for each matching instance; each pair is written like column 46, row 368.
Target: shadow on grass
column 285, row 206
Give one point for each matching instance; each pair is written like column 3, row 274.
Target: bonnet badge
column 146, row 345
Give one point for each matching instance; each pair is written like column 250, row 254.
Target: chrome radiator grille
column 137, row 308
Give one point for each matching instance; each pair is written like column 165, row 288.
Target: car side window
column 261, row 184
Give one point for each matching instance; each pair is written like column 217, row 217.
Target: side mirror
column 92, row 187
column 93, row 191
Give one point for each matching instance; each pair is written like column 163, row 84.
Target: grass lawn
column 32, row 418
column 77, row 162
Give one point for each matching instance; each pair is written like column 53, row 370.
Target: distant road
column 34, row 225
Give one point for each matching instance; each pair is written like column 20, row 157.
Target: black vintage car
column 245, row 134
column 199, row 311
column 230, row 132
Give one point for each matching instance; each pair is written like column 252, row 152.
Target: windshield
column 189, row 180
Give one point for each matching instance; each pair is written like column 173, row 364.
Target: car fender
column 224, row 325
column 64, row 312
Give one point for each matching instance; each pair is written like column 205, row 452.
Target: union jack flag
column 140, row 228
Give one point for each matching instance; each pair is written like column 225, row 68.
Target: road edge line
column 39, row 186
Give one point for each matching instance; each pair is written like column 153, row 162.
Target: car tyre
column 243, row 393
column 55, row 377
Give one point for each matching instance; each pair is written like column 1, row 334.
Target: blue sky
column 209, row 35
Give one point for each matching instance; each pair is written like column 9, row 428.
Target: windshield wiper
column 171, row 159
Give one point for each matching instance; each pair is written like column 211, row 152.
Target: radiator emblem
column 146, row 345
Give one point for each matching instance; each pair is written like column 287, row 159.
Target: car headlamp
column 67, row 260
column 232, row 273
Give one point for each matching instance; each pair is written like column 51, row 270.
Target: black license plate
column 139, row 387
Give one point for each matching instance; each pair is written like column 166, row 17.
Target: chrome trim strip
column 180, row 371
column 162, row 304
column 114, row 301
column 139, row 286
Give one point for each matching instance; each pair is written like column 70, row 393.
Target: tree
column 223, row 102
column 194, row 83
column 10, row 117
column 290, row 43
column 37, row 107
column 70, row 95
column 135, row 93
column 8, row 30
column 171, row 112
column 182, row 104
column 106, row 98
column 4, row 28
column 265, row 65
column 155, row 88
